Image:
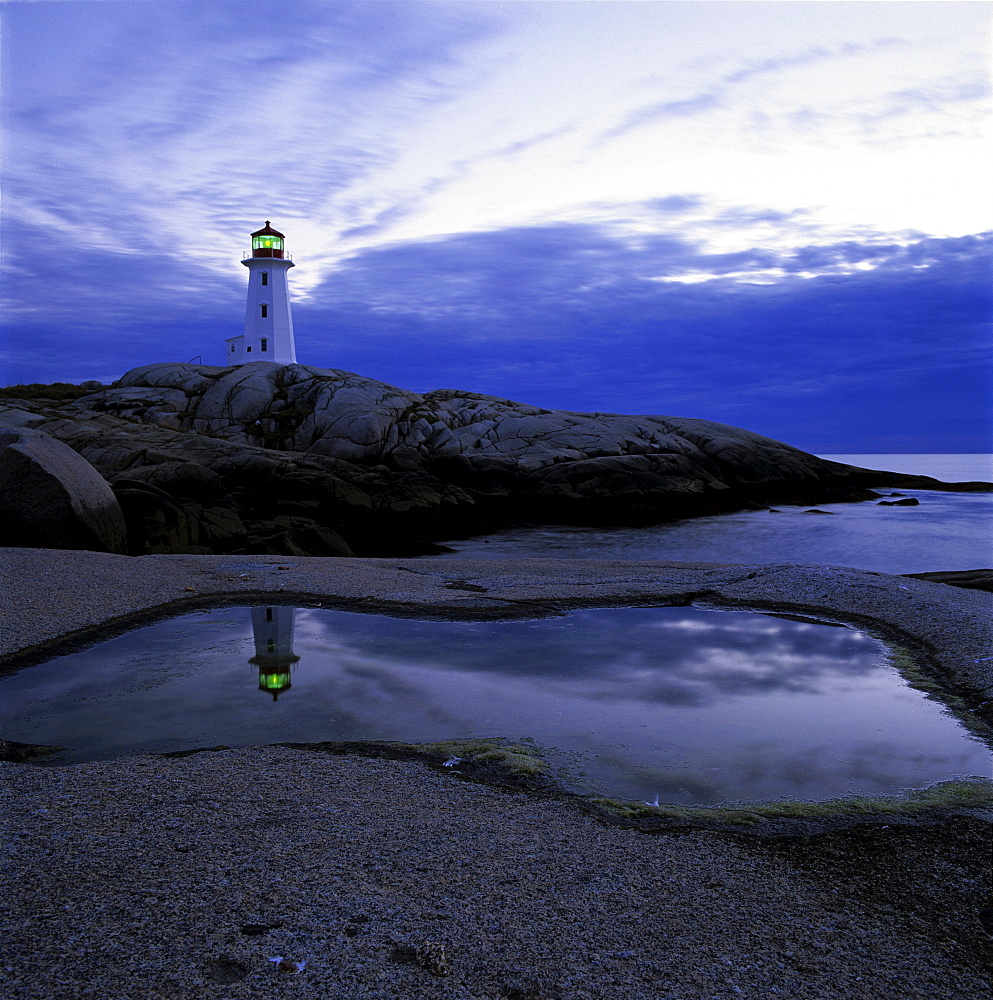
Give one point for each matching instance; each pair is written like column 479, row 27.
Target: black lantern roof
column 268, row 231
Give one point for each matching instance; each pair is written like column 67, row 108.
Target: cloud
column 806, row 57
column 662, row 111
column 945, row 107
column 934, row 96
column 530, row 142
column 793, row 339
column 670, row 656
column 675, row 204
column 184, row 116
column 722, row 91
column 576, row 317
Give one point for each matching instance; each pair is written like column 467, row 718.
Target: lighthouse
column 273, row 632
column 268, row 332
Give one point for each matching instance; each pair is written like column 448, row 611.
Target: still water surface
column 692, row 705
column 947, row 531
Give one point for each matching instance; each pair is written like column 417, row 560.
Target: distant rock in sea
column 298, row 460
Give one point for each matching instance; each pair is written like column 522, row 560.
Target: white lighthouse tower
column 268, row 332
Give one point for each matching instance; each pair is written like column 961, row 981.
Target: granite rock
column 51, row 497
column 204, row 457
column 338, row 414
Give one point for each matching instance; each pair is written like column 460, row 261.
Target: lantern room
column 267, row 242
column 275, row 680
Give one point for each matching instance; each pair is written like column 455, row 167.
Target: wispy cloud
column 807, row 57
column 204, row 117
column 721, row 91
column 662, row 111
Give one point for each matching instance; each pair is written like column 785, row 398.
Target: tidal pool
column 691, row 705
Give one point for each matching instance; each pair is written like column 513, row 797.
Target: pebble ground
column 155, row 878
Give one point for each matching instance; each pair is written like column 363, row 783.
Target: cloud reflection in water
column 696, row 705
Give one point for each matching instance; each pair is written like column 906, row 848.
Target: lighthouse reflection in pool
column 274, row 656
column 692, row 705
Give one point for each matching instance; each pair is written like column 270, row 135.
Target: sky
column 775, row 215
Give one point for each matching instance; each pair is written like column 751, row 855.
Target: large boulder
column 51, row 497
column 181, row 491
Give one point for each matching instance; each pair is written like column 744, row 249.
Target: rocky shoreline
column 296, row 460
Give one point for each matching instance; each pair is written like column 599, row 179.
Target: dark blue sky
column 582, row 206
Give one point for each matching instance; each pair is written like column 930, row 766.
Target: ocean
column 947, row 531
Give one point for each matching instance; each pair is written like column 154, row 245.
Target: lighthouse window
column 248, row 350
column 265, row 311
column 265, row 277
column 232, row 348
column 265, row 345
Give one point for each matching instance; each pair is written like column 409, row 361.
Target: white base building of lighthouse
column 268, row 332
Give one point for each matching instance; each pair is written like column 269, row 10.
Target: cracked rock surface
column 342, row 415
column 297, row 460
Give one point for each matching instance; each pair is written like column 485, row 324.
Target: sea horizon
column 948, row 466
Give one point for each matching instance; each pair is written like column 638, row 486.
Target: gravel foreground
column 183, row 878
column 152, row 877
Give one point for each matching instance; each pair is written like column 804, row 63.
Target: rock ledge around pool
column 61, row 598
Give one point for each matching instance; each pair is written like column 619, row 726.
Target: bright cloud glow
column 359, row 124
